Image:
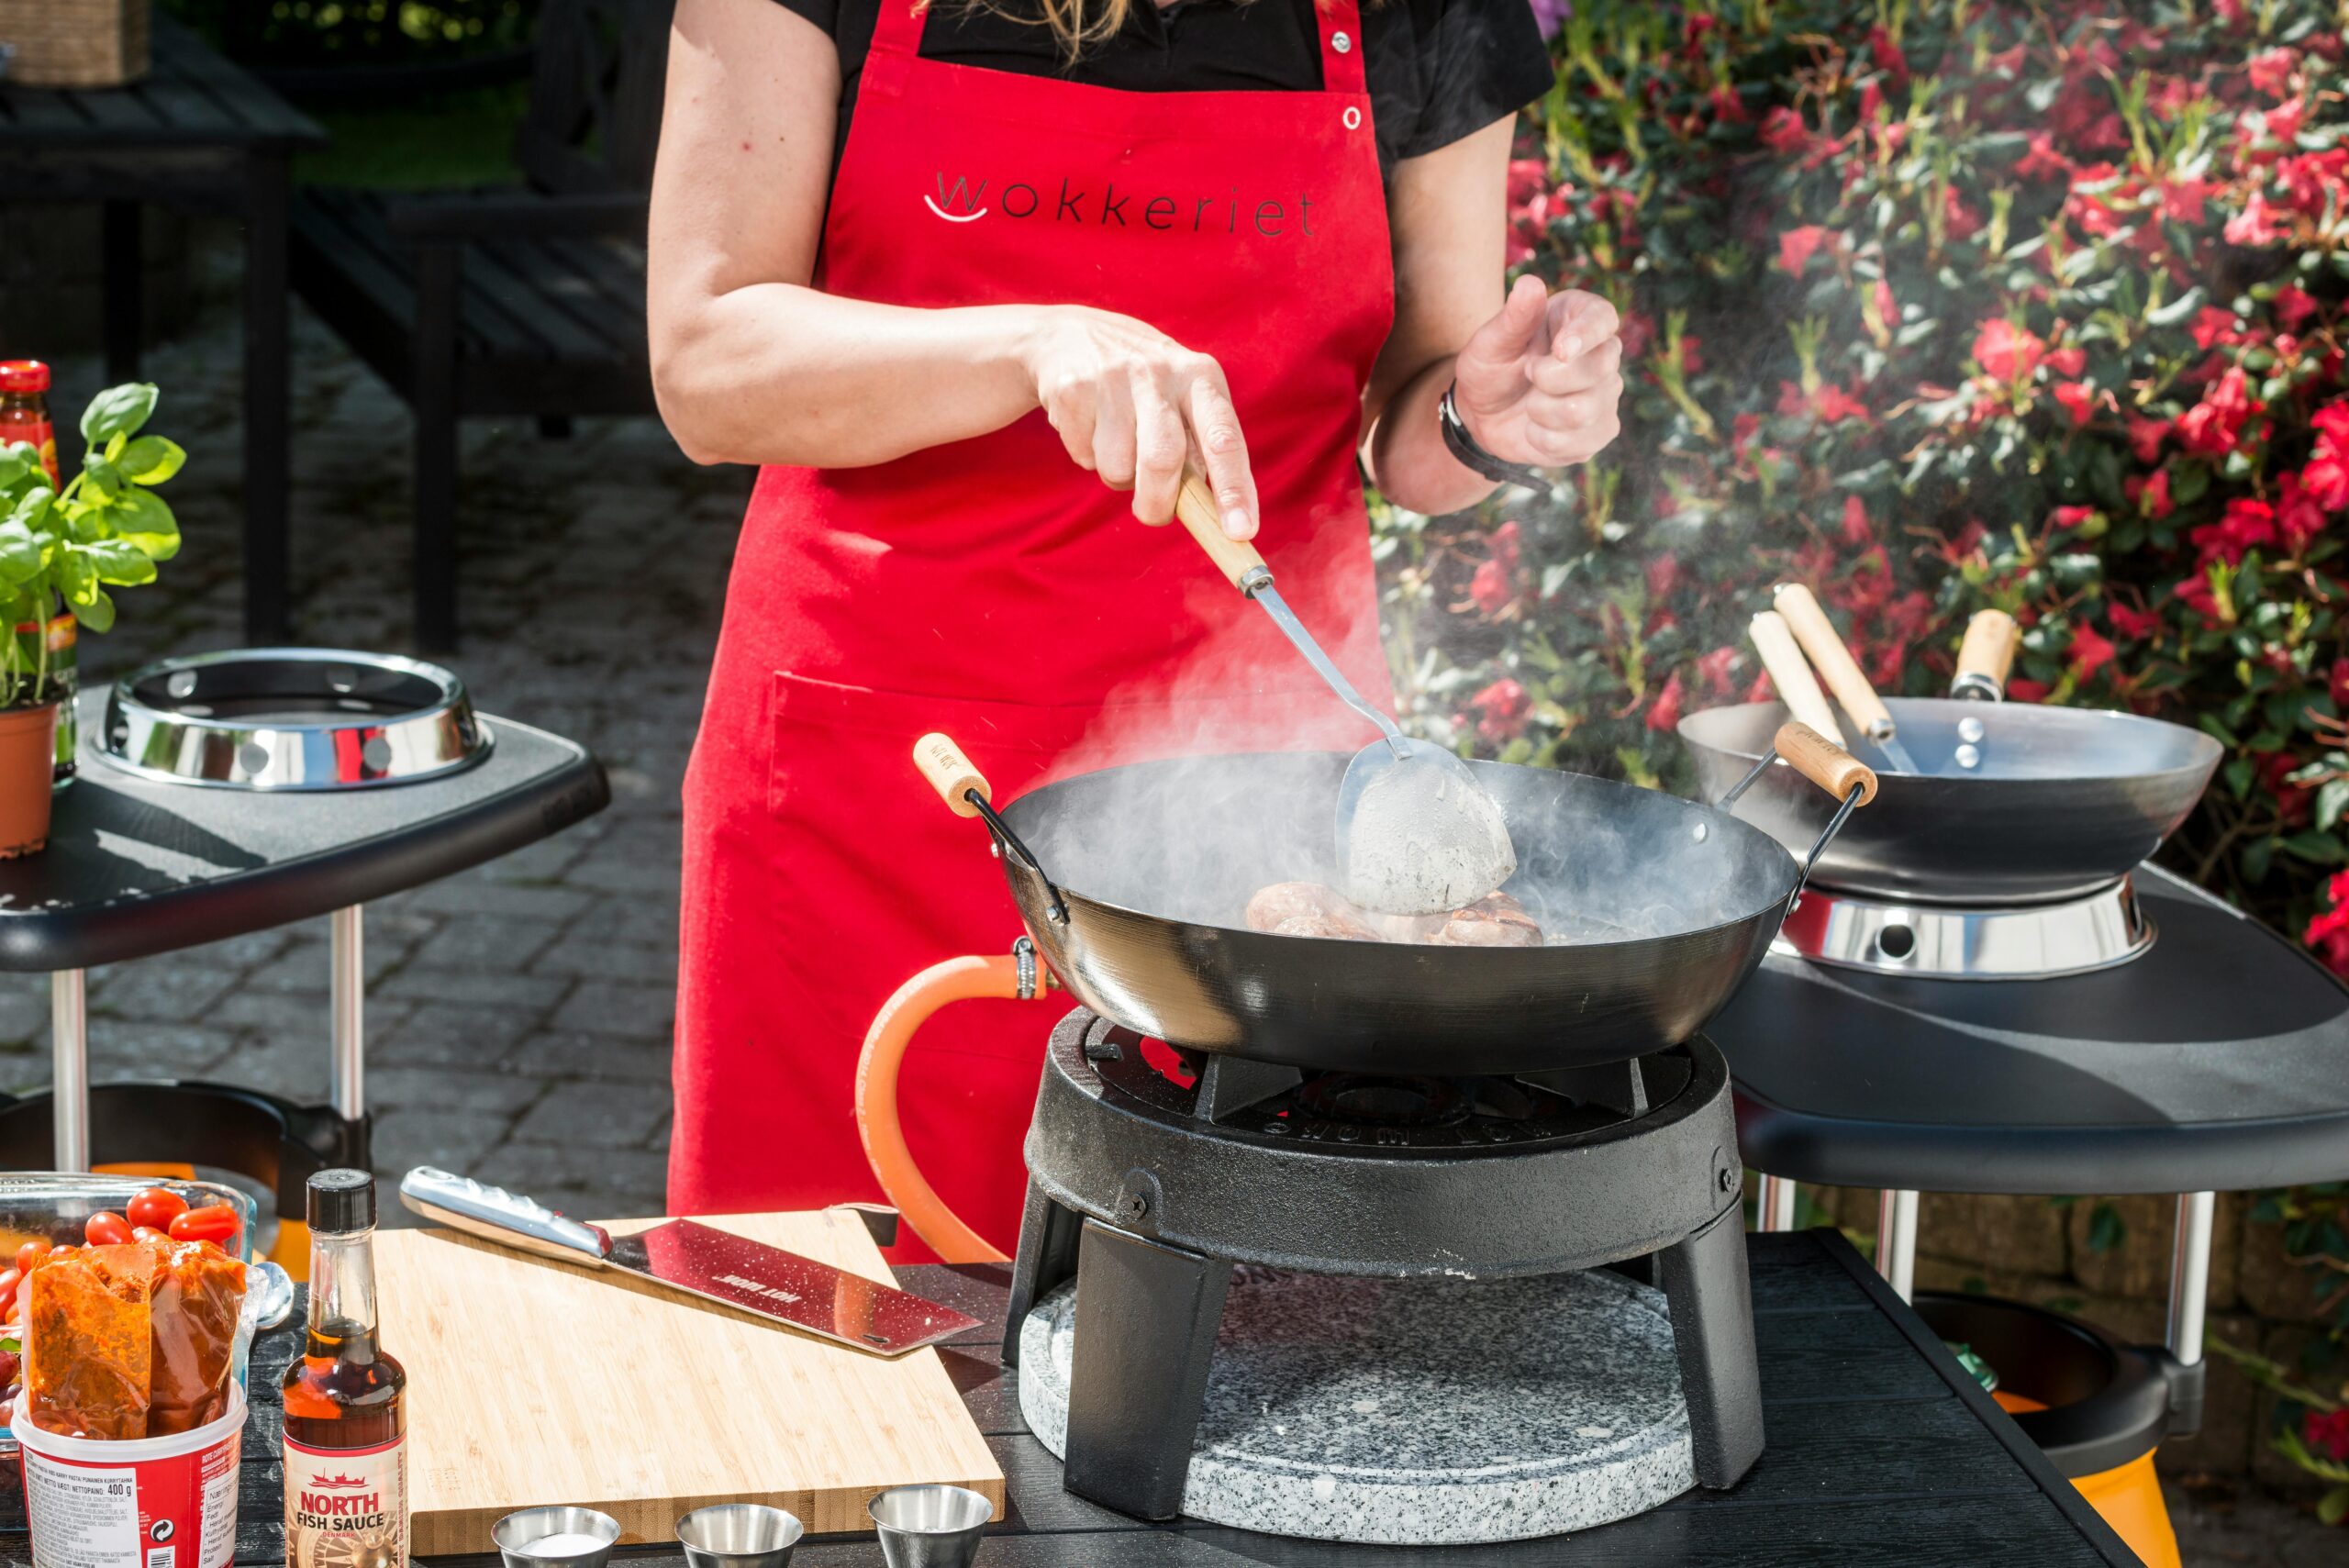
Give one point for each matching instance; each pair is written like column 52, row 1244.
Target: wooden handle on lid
column 1836, row 666
column 1195, row 504
column 1823, row 762
column 950, row 773
column 1798, row 687
column 1988, row 651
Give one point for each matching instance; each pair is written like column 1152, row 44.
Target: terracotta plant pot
column 28, row 763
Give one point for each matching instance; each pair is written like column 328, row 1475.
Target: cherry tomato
column 214, row 1222
column 149, row 1233
column 155, row 1208
column 105, row 1229
column 30, row 1255
column 8, row 1364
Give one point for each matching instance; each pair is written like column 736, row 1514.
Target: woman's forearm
column 1406, row 454
column 779, row 373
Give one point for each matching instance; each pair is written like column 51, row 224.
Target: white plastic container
column 166, row 1502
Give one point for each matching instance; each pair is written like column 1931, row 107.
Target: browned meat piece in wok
column 1311, row 909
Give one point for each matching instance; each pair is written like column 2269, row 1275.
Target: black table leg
column 267, row 371
column 1048, row 1238
column 123, row 270
column 1146, row 1317
column 1712, row 1333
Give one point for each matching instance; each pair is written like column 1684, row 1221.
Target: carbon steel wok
column 1132, row 881
column 2063, row 801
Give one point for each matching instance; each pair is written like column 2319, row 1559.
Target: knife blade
column 699, row 1260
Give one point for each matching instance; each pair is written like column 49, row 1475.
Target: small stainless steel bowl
column 292, row 720
column 930, row 1527
column 738, row 1535
column 519, row 1535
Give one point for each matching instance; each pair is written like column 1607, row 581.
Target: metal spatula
column 1416, row 834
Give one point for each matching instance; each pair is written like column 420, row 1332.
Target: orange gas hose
column 956, row 979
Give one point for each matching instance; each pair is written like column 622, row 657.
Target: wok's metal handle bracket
column 1858, row 796
column 1011, row 844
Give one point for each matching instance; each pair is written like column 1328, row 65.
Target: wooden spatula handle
column 1195, row 504
column 1836, row 666
column 1825, row 763
column 1987, row 652
column 950, row 773
column 1798, row 687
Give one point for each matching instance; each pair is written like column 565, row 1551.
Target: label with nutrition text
column 346, row 1507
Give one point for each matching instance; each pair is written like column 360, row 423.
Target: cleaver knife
column 796, row 1292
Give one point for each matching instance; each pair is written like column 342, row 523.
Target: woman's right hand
column 1134, row 405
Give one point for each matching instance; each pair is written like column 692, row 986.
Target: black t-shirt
column 1437, row 70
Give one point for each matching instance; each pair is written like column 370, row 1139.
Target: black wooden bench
column 517, row 301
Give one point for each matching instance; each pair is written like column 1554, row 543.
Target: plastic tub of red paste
column 168, row 1502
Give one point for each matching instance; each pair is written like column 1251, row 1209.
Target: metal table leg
column 2189, row 1275
column 1896, row 1240
column 347, row 1067
column 68, row 1073
column 1774, row 1206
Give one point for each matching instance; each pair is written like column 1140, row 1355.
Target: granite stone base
column 1417, row 1413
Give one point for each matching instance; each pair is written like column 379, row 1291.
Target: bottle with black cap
column 346, row 1420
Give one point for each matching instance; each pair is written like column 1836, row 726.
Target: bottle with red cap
column 23, row 416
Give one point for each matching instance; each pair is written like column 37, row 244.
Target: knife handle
column 509, row 1218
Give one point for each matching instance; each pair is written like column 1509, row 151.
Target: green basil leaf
column 32, row 508
column 117, row 411
column 144, row 519
column 98, row 613
column 77, row 579
column 102, row 476
column 150, row 460
column 120, row 563
column 19, row 554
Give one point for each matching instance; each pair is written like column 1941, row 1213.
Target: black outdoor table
column 137, row 867
column 2217, row 1061
column 199, row 134
column 1882, row 1451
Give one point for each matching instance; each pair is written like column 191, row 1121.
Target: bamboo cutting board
column 531, row 1381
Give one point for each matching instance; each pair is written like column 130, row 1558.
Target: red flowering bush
column 1935, row 308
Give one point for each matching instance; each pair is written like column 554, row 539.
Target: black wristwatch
column 1463, row 448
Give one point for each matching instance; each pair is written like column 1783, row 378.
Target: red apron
column 994, row 590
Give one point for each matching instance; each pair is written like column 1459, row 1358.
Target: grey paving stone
column 602, row 1058
column 476, row 895
column 600, row 1007
column 498, row 990
column 541, row 1168
column 391, row 1088
column 129, row 1048
column 485, row 942
column 280, row 1015
column 169, row 989
column 606, row 1118
column 303, row 969
column 441, row 1034
column 24, row 1008
column 454, row 1141
column 585, row 956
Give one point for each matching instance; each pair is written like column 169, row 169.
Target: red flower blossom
column 2091, row 651
column 2022, row 689
column 1958, row 221
column 1885, row 50
column 2041, row 159
column 2313, row 180
column 1783, row 131
column 1663, row 575
column 1795, row 245
column 2292, row 800
column 2338, row 685
column 2213, row 426
column 2298, row 517
column 2006, row 351
column 2293, row 306
column 1664, row 714
column 2071, row 517
column 1491, row 588
column 2271, row 73
column 2196, row 593
column 2152, row 498
column 1857, row 529
column 1507, row 544
column 2079, row 398
column 1713, row 669
column 2328, row 934
column 2327, row 475
column 2213, row 326
column 2139, row 625
column 2146, row 437
column 2068, row 363
column 1728, row 108
column 2182, row 200
column 1834, row 403
column 2247, row 525
column 2326, row 1432
column 1502, row 709
column 2255, row 226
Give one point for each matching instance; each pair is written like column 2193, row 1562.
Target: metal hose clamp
column 1023, row 954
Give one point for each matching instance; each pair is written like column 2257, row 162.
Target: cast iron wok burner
column 1589, row 1216
column 291, row 719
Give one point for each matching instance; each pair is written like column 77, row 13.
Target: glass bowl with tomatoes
column 42, row 1210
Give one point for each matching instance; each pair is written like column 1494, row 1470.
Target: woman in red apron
column 1032, row 276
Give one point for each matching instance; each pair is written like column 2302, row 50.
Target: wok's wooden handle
column 1836, row 666
column 1987, row 654
column 1823, row 762
column 1790, row 672
column 1195, row 504
column 950, row 773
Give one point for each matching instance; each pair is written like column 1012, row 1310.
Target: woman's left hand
column 1540, row 382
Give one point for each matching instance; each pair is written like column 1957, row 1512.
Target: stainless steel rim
column 2036, row 941
column 380, row 720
